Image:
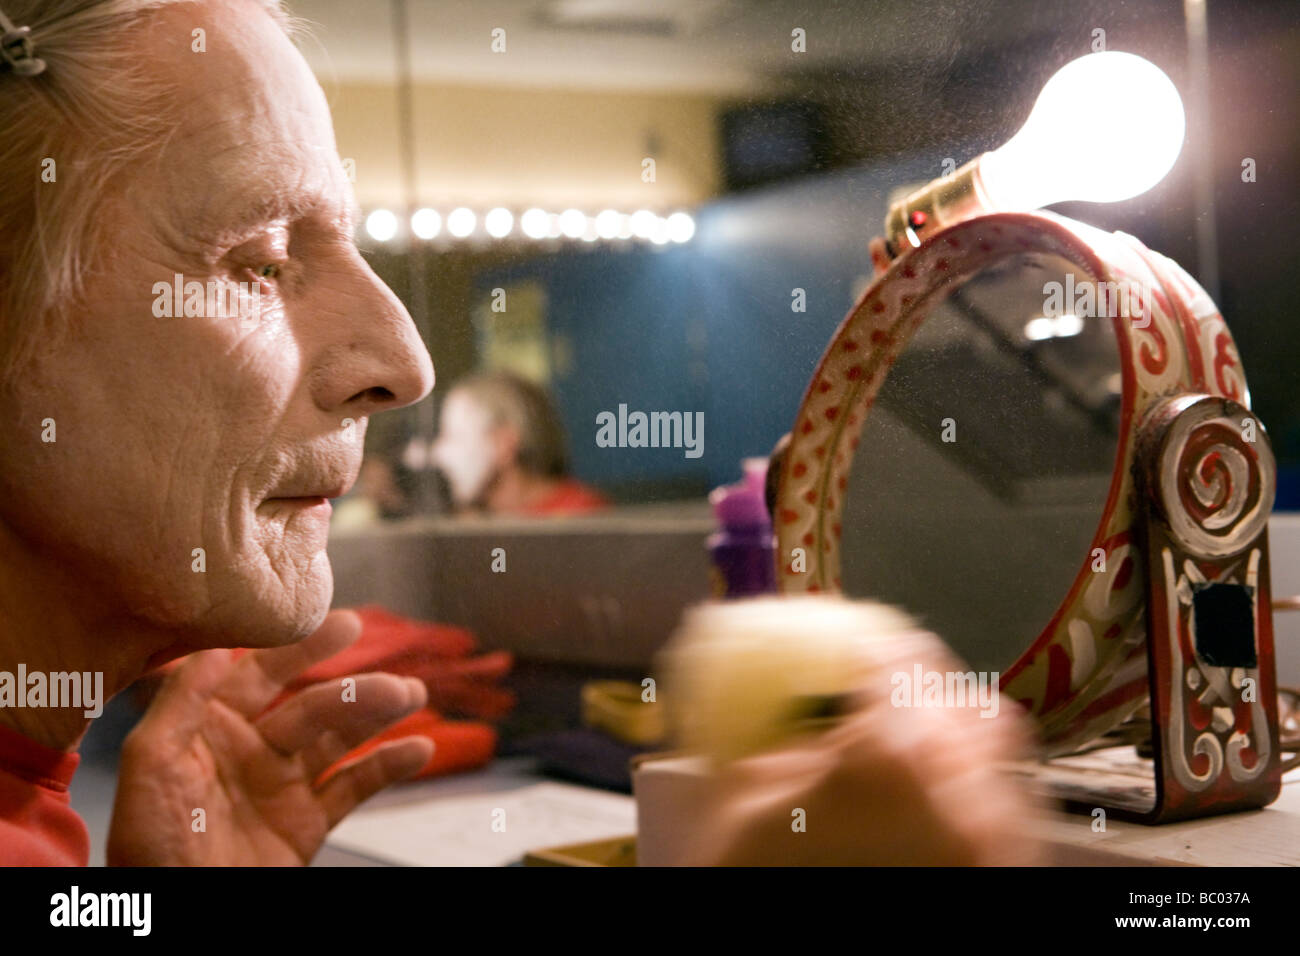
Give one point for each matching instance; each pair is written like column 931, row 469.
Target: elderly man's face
column 226, row 434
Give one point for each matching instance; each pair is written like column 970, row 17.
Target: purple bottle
column 743, row 548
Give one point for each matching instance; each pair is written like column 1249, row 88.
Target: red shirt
column 570, row 497
column 38, row 826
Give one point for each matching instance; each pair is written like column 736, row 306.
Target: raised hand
column 208, row 743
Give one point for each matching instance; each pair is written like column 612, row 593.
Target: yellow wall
column 484, row 146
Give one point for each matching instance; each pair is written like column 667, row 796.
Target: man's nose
column 374, row 360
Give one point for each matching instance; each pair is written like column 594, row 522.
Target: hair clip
column 17, row 52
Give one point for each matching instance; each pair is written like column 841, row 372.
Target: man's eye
column 269, row 271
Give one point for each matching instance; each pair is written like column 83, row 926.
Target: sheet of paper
column 486, row 830
column 1267, row 837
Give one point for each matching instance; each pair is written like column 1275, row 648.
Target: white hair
column 95, row 109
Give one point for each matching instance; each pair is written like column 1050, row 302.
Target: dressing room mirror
column 985, row 463
column 666, row 208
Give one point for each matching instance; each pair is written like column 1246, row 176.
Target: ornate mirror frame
column 1193, row 484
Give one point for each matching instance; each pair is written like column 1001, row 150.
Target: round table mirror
column 985, row 462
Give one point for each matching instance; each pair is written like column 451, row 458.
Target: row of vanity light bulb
column 382, row 225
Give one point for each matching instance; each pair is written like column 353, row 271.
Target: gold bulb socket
column 942, row 202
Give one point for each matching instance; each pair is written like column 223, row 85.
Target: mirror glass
column 985, row 463
column 665, row 209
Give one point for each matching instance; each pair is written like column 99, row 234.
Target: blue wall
column 625, row 313
column 708, row 326
column 749, row 253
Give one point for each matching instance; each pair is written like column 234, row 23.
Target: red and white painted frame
column 1087, row 670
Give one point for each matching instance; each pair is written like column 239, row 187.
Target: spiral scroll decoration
column 1216, row 483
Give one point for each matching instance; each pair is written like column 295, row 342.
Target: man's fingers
column 358, row 781
column 259, row 677
column 180, row 704
column 322, row 723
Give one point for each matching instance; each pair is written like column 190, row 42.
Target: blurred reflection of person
column 395, row 480
column 502, row 448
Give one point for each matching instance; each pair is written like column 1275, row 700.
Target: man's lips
column 314, row 494
column 295, row 506
column 333, row 491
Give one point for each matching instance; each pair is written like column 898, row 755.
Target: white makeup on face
column 207, row 433
column 464, row 450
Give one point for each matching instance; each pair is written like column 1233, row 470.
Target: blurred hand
column 209, row 742
column 915, row 786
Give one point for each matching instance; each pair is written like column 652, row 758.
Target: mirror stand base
column 1206, row 483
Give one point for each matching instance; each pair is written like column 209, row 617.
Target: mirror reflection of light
column 498, row 223
column 659, row 233
column 381, row 225
column 426, row 223
column 643, row 223
column 535, row 223
column 1037, row 330
column 681, row 227
column 1067, row 325
column 607, row 224
column 573, row 223
column 461, row 222
column 1045, row 327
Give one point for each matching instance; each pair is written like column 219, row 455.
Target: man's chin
column 284, row 613
column 302, row 619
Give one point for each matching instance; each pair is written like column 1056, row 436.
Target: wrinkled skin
column 220, row 433
column 186, row 433
column 208, row 743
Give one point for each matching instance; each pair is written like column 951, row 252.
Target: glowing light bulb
column 461, row 222
column 498, row 222
column 681, row 227
column 643, row 223
column 1107, row 127
column 426, row 223
column 382, row 225
column 534, row 223
column 573, row 223
column 607, row 224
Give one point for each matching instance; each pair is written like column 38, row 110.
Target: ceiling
column 710, row 46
